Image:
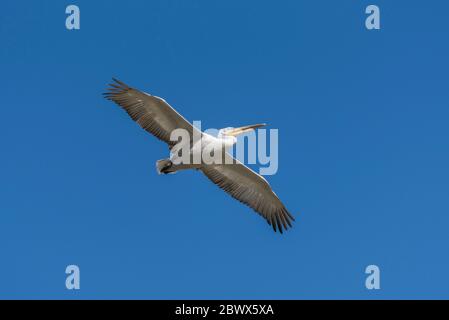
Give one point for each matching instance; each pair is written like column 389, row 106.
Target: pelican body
column 157, row 117
column 197, row 148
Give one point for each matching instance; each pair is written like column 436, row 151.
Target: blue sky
column 364, row 149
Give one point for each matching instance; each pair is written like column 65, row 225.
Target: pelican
column 157, row 117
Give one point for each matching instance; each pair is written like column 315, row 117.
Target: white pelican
column 158, row 118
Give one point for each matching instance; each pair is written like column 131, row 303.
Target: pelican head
column 234, row 132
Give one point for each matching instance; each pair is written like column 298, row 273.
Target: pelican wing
column 152, row 113
column 252, row 189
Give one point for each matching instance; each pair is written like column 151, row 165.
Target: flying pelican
column 157, row 117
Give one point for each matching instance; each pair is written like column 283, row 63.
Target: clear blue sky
column 364, row 149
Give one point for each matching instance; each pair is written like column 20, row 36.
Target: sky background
column 363, row 149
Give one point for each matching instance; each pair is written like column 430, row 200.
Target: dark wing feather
column 250, row 188
column 152, row 113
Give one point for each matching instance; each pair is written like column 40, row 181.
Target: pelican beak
column 236, row 131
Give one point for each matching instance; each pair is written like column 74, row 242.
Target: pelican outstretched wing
column 252, row 189
column 152, row 113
